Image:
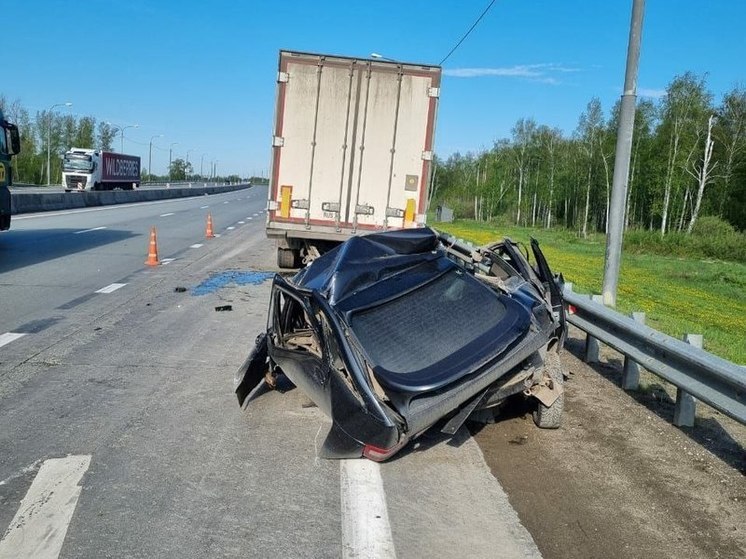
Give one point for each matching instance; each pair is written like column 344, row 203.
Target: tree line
column 688, row 160
column 55, row 131
column 59, row 132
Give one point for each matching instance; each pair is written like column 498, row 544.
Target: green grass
column 679, row 295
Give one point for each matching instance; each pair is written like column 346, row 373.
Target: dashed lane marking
column 8, row 337
column 366, row 531
column 231, row 228
column 203, row 207
column 165, row 261
column 168, row 214
column 39, row 527
column 197, row 245
column 89, row 230
column 241, row 222
column 111, row 288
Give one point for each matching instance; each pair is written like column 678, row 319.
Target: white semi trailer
column 91, row 169
column 351, row 151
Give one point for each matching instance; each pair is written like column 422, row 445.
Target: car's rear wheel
column 551, row 417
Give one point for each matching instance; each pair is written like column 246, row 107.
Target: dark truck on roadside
column 10, row 145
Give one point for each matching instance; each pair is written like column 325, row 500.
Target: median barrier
column 22, row 202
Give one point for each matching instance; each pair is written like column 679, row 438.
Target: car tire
column 286, row 258
column 551, row 417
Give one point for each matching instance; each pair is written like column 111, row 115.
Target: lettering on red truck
column 122, row 167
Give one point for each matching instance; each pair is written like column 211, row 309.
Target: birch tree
column 589, row 128
column 702, row 172
column 524, row 134
column 686, row 99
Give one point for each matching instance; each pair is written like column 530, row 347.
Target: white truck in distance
column 89, row 169
column 351, row 151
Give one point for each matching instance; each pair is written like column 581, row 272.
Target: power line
column 487, row 9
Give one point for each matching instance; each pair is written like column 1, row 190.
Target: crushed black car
column 392, row 333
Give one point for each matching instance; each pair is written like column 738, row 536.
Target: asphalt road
column 121, row 437
column 120, row 404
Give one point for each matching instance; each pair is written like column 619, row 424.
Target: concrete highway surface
column 120, row 435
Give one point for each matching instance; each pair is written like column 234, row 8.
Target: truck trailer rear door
column 352, row 145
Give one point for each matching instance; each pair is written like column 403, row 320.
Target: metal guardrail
column 695, row 372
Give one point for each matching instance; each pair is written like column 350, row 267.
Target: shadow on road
column 21, row 248
column 708, row 432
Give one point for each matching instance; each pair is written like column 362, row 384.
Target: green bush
column 712, row 226
column 712, row 238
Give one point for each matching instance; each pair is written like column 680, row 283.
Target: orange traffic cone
column 153, row 250
column 209, row 233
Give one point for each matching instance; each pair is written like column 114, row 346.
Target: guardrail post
column 631, row 372
column 591, row 343
column 683, row 413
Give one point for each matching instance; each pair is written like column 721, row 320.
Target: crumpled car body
column 392, row 333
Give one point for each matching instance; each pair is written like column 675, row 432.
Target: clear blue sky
column 203, row 73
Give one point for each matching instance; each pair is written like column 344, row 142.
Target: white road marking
column 241, row 222
column 230, row 228
column 249, row 218
column 226, row 202
column 111, row 288
column 165, row 261
column 203, row 207
column 366, row 532
column 217, row 235
column 8, row 337
column 256, row 215
column 89, row 230
column 38, row 529
column 168, row 214
column 197, row 245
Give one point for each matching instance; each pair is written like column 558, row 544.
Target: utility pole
column 621, row 162
column 170, row 150
column 201, row 161
column 150, row 156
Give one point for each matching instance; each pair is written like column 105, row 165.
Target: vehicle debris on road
column 392, row 333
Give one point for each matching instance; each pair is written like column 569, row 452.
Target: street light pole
column 201, row 161
column 49, row 137
column 121, row 134
column 150, row 156
column 170, row 149
column 187, row 161
column 617, row 209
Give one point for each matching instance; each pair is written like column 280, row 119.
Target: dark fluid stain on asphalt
column 224, row 279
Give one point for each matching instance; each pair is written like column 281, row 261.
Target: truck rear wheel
column 551, row 417
column 287, row 258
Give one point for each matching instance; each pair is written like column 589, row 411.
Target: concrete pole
column 170, row 149
column 621, row 161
